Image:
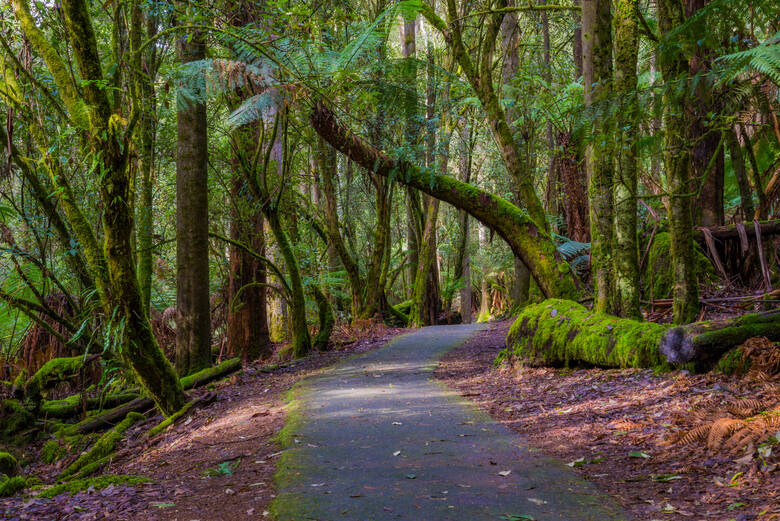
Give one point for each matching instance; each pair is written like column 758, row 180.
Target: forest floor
column 617, row 428
column 215, row 465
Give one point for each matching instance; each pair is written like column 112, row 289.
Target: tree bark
column 624, row 184
column 740, row 172
column 597, row 78
column 193, row 324
column 678, row 172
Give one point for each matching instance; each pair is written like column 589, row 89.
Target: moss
column 97, row 483
column 562, row 332
column 11, row 486
column 104, row 445
column 20, row 379
column 211, row 373
column 72, row 404
column 484, row 316
column 294, row 419
column 14, row 418
column 733, row 362
column 91, row 468
column 167, row 422
column 8, row 464
column 54, row 371
column 659, row 274
column 52, row 451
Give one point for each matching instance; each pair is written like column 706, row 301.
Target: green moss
column 659, row 274
column 14, row 418
column 54, row 371
column 563, row 332
column 294, row 419
column 11, row 486
column 52, row 451
column 104, row 445
column 8, row 464
column 733, row 362
column 20, row 379
column 97, row 483
column 72, row 404
column 167, row 422
column 211, row 373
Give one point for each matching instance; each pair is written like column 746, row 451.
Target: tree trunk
column 597, row 78
column 678, row 173
column 624, row 187
column 106, row 138
column 193, row 324
column 740, row 172
column 534, row 246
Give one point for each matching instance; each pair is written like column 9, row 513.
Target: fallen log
column 562, row 332
column 731, row 231
column 705, row 342
column 112, row 416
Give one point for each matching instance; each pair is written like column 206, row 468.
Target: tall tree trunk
column 463, row 261
column 678, row 172
column 193, row 325
column 510, row 33
column 624, row 187
column 597, row 78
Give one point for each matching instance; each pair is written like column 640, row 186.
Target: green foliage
column 8, row 464
column 52, row 451
column 11, row 486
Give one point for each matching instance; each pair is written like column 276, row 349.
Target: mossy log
column 704, row 343
column 730, row 231
column 55, row 371
column 560, row 332
column 170, row 420
column 96, row 483
column 72, row 405
column 104, row 445
column 112, row 416
column 10, row 486
column 14, row 418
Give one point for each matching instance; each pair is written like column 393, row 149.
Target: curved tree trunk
column 532, row 245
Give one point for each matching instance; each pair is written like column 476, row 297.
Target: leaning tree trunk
column 193, row 325
column 533, row 245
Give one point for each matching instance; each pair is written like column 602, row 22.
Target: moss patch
column 54, row 371
column 733, row 362
column 11, row 486
column 8, row 464
column 562, row 332
column 97, row 483
column 104, row 445
column 211, row 373
column 52, row 452
column 14, row 418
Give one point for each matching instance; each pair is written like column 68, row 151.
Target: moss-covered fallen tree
column 562, row 332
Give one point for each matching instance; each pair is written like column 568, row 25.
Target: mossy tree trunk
column 674, row 68
column 527, row 241
column 597, row 78
column 144, row 73
column 193, row 324
column 740, row 172
column 624, row 183
column 106, row 139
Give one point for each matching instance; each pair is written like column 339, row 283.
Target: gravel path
column 376, row 438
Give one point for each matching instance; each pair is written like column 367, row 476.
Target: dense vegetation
column 187, row 181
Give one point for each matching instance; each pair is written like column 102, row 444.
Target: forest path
column 376, row 438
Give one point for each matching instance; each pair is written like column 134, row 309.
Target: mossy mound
column 8, row 464
column 14, row 418
column 659, row 272
column 96, row 483
column 11, row 486
column 52, row 451
column 562, row 332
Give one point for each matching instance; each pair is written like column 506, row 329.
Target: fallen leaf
column 504, row 473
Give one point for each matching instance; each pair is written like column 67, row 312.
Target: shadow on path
column 375, row 438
